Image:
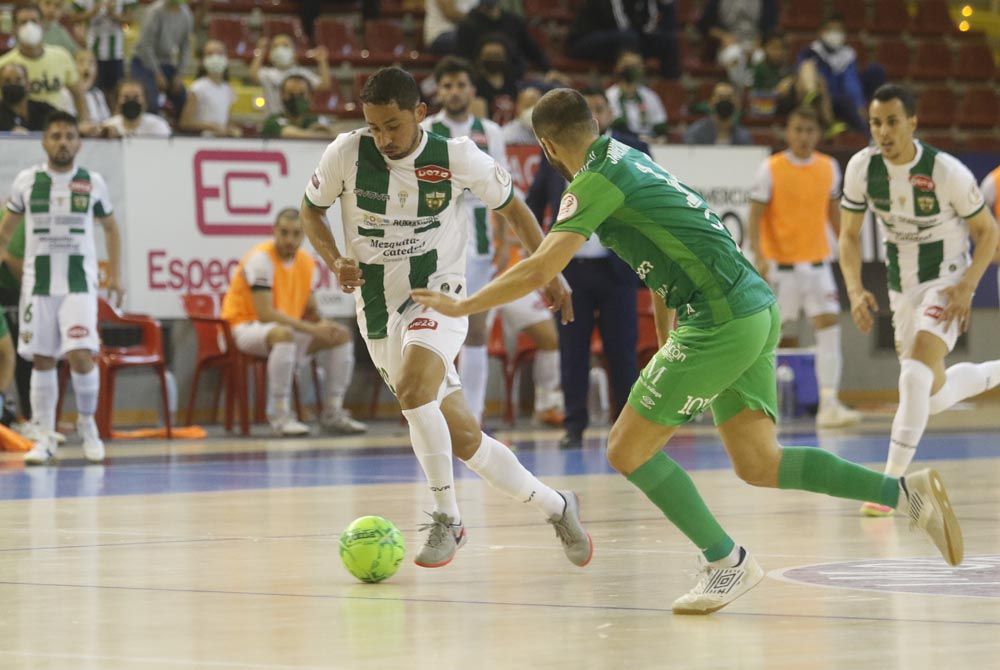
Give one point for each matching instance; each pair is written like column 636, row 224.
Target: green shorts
column 727, row 368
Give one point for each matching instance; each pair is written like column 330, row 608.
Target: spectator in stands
column 519, row 131
column 636, row 107
column 49, row 68
column 496, row 84
column 737, row 27
column 296, row 121
column 132, row 119
column 441, row 19
column 837, row 62
column 53, row 32
column 97, row 104
column 722, row 125
column 282, row 58
column 604, row 28
column 18, row 113
column 604, row 293
column 489, row 19
column 778, row 87
column 162, row 53
column 272, row 310
column 106, row 37
column 210, row 97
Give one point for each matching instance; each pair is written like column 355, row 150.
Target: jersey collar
column 596, row 153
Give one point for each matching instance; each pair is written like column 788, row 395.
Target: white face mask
column 834, row 38
column 30, row 34
column 216, row 63
column 282, row 56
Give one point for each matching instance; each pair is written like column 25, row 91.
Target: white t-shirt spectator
column 214, row 101
column 150, row 125
column 642, row 112
column 97, row 105
column 435, row 22
column 270, row 81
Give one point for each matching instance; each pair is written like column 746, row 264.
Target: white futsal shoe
column 43, row 453
column 930, row 510
column 717, row 587
column 93, row 445
column 286, row 426
column 835, row 415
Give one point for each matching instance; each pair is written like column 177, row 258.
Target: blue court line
column 490, row 603
column 260, row 469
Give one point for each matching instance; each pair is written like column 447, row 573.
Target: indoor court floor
column 224, row 554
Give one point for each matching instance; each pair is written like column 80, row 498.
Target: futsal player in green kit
column 720, row 357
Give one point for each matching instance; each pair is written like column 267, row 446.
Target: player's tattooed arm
column 863, row 302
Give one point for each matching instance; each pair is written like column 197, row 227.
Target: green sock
column 670, row 488
column 817, row 470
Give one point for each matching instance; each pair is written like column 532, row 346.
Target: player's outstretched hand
column 348, row 274
column 959, row 306
column 560, row 298
column 439, row 302
column 863, row 305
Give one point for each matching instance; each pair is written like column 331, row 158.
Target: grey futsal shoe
column 443, row 541
column 575, row 539
column 930, row 510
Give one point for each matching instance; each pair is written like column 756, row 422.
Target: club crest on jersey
column 435, row 199
column 80, row 186
column 80, row 201
column 926, row 203
column 403, row 195
column 423, row 323
column 921, row 182
column 433, row 174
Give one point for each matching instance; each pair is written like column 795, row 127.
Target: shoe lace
column 702, row 574
column 439, row 527
column 563, row 532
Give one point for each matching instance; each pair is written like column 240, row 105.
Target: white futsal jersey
column 403, row 219
column 921, row 206
column 488, row 136
column 59, row 209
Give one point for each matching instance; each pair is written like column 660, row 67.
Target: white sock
column 473, row 370
column 915, row 382
column 338, row 366
column 828, row 363
column 964, row 380
column 86, row 387
column 432, row 446
column 498, row 465
column 280, row 368
column 44, row 396
column 546, row 372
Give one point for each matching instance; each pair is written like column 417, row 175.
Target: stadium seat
column 673, row 96
column 979, row 108
column 524, row 352
column 975, row 62
column 936, row 107
column 327, row 102
column 234, row 33
column 215, row 351
column 894, row 55
column 932, row 18
column 337, row 35
column 384, row 40
column 855, row 13
column 889, row 17
column 764, row 137
column 933, row 60
column 861, row 49
column 285, row 25
column 805, row 16
column 940, row 140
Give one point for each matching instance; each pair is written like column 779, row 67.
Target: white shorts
column 52, row 326
column 251, row 338
column 478, row 273
column 524, row 312
column 443, row 335
column 920, row 309
column 805, row 288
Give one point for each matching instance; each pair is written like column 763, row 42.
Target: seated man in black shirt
column 17, row 112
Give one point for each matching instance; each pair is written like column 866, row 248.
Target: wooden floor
column 223, row 554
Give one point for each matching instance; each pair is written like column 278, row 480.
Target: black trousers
column 604, row 293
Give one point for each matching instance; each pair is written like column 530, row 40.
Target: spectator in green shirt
column 296, row 121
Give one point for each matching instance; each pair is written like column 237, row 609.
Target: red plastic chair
column 337, row 35
column 285, row 25
column 148, row 353
column 933, row 18
column 979, row 109
column 932, row 60
column 234, row 32
column 215, row 351
column 894, row 55
column 890, row 17
column 855, row 13
column 975, row 62
column 510, row 363
column 937, row 107
column 802, row 16
column 385, row 40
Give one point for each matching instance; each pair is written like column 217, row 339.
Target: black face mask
column 631, row 75
column 131, row 109
column 13, row 93
column 725, row 109
column 494, row 65
column 296, row 105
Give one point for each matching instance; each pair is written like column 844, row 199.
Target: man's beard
column 560, row 168
column 457, row 111
column 57, row 161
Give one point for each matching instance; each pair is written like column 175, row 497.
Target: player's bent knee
column 280, row 334
column 759, row 471
column 80, row 360
column 412, row 392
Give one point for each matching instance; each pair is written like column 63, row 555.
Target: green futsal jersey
column 665, row 231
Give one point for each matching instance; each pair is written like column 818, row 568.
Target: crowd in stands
column 714, row 71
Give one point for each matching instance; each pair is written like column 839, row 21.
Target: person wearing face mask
column 282, row 58
column 637, row 108
column 849, row 89
column 496, row 85
column 50, row 69
column 722, row 125
column 132, row 120
column 736, row 28
column 603, row 28
column 17, row 112
column 519, row 131
column 490, row 19
column 210, row 97
column 162, row 53
column 296, row 121
column 53, row 32
column 106, row 37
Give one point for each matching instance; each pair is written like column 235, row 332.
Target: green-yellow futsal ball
column 371, row 549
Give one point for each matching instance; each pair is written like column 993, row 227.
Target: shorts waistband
column 791, row 266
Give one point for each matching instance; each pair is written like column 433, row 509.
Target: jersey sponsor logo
column 314, row 180
column 80, row 186
column 435, row 199
column 423, row 323
column 77, row 332
column 644, row 269
column 922, row 182
column 694, row 405
column 934, row 312
column 433, row 174
column 236, row 191
column 567, row 207
column 371, row 195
